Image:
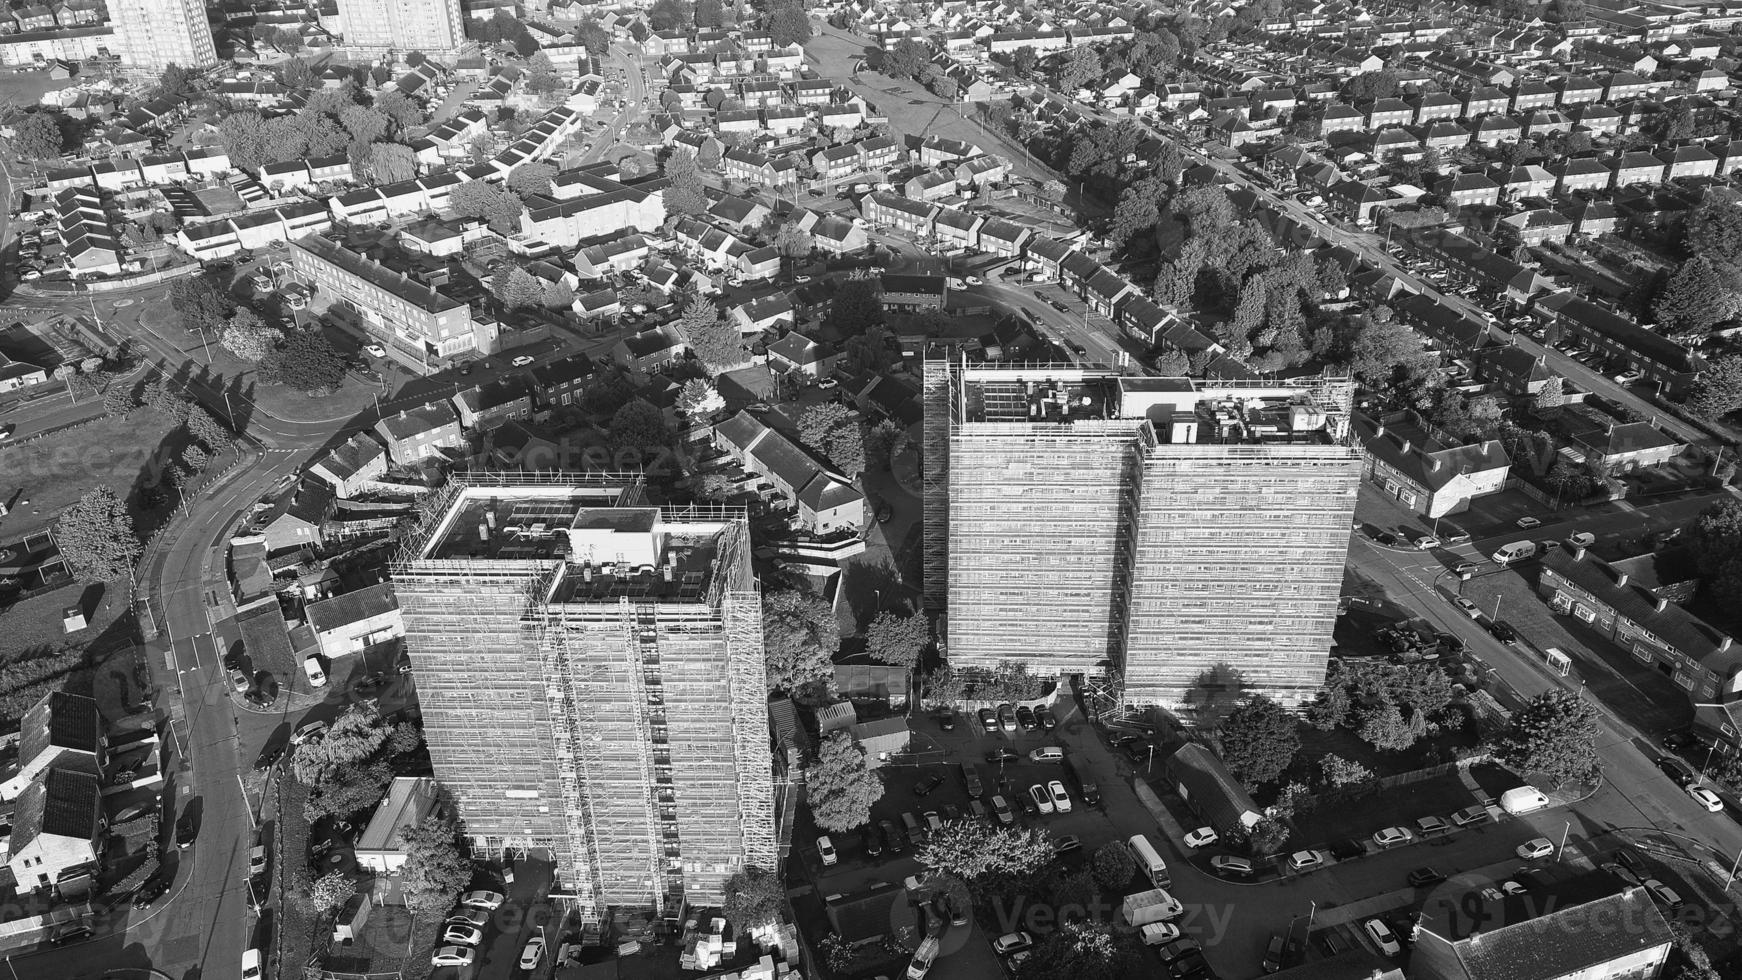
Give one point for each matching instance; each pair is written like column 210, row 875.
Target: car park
column 1382, row 937
column 1392, row 837
column 1704, row 796
column 1539, row 847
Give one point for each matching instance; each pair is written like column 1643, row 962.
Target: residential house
column 413, row 434
column 1210, row 791
column 1592, row 927
column 58, row 829
column 409, row 802
column 354, row 621
column 824, row 500
column 352, row 465
column 59, row 731
column 796, row 352
column 1428, row 475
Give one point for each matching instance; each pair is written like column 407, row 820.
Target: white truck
column 1155, row 905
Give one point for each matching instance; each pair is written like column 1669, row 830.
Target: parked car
column 989, row 720
column 307, row 732
column 1305, row 860
column 1273, row 955
column 483, row 900
column 186, row 829
column 1704, row 796
column 1467, row 568
column 1392, row 836
column 533, row 953
column 521, row 361
column 453, row 956
column 1620, row 872
column 893, row 838
column 375, row 350
column 1662, row 893
column 1503, row 631
column 1468, row 608
column 1528, row 522
column 1539, row 847
column 466, row 915
column 150, row 892
column 1228, row 864
column 1061, row 800
column 1046, row 719
column 257, row 859
column 826, row 850
column 1201, row 837
column 1002, row 755
column 1428, row 826
column 1423, row 877
column 1025, row 718
column 1042, row 799
column 75, row 931
column 464, row 935
column 926, row 786
column 1001, row 809
column 1012, row 942
column 1382, row 937
column 1470, row 816
column 1007, row 717
column 1678, row 771
column 1067, row 844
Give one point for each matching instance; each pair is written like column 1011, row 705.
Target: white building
column 430, row 26
column 153, row 34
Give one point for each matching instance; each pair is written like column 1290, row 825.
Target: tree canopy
column 96, row 536
column 839, row 786
column 1554, row 733
column 754, row 897
column 800, row 637
column 897, row 640
column 1259, row 741
column 435, row 870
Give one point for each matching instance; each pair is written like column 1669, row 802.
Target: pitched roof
column 1584, row 930
column 62, row 803
column 59, row 720
column 1210, row 787
column 352, row 607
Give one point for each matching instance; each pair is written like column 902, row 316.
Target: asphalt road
column 634, row 103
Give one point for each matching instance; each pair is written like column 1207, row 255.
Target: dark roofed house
column 825, row 500
column 417, row 433
column 56, row 828
column 1594, row 926
column 352, row 465
column 872, row 682
column 1424, row 473
column 60, row 731
column 1211, row 791
column 882, row 739
column 353, row 622
column 1701, row 660
column 867, row 916
column 297, row 519
column 1621, row 447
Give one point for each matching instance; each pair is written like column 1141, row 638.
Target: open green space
column 39, row 479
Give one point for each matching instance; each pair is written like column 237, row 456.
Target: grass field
column 37, row 656
column 46, row 476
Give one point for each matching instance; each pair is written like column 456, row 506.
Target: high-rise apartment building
column 591, row 675
column 1082, row 522
column 154, row 34
column 430, row 26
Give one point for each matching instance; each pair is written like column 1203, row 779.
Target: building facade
column 1081, row 522
column 415, row 323
column 153, row 34
column 430, row 26
column 592, row 678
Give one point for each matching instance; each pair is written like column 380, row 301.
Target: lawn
column 1432, row 751
column 47, row 475
column 101, row 661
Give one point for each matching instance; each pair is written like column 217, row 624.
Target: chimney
column 1434, row 464
column 1620, row 577
column 1403, row 446
column 1578, row 553
column 1659, row 604
column 1379, row 428
column 1724, row 643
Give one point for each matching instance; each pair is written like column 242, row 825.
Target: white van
column 1523, row 799
column 1516, row 551
column 312, row 666
column 1148, row 859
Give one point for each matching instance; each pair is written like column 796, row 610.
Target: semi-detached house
column 1428, row 477
column 413, row 434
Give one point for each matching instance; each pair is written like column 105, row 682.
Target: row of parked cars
column 463, row 933
column 1009, row 718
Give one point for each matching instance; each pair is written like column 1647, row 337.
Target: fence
column 110, row 285
column 1425, row 774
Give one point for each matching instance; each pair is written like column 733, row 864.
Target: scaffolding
column 643, row 765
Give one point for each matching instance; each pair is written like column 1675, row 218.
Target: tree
column 435, row 870
column 206, row 428
column 639, row 426
column 788, row 23
column 1216, row 691
column 1726, row 771
column 247, row 337
column 793, row 241
column 306, row 361
column 1084, row 951
column 201, row 306
column 349, row 789
column 880, row 441
column 1715, row 543
column 354, row 737
column 1714, row 231
column 1339, row 771
column 329, row 893
column 514, row 287
column 897, row 640
column 671, row 15
column 983, row 854
column 856, row 308
column 499, row 206
column 37, row 136
column 119, row 401
column 1718, row 391
column 684, row 195
column 176, row 82
column 815, row 423
column 1552, row 395
column 1330, row 708
column 713, row 338
column 556, row 295
column 1114, row 866
column 907, row 59
column 1695, row 299
column 366, row 125
column 542, row 78
column 243, row 136
column 531, row 178
column 595, row 38
column 699, row 399
column 754, row 898
column 389, row 162
column 399, row 107
column 96, row 536
column 845, row 447
column 1554, row 733
column 799, row 636
column 840, row 787
column 710, row 13
column 1384, row 353
column 1079, row 67
column 1259, row 740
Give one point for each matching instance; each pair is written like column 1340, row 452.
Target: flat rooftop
column 515, row 527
